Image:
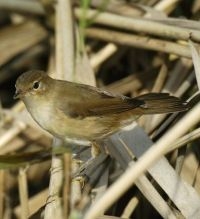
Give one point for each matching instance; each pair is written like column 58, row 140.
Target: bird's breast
column 40, row 111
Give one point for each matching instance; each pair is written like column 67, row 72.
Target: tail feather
column 156, row 103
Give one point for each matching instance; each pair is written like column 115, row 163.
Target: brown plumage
column 76, row 111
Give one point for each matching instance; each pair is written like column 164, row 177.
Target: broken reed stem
column 17, row 128
column 160, row 80
column 67, row 185
column 140, row 25
column 22, row 6
column 75, row 186
column 188, row 83
column 64, row 70
column 65, row 54
column 23, row 193
column 2, row 193
column 102, row 55
column 53, row 207
column 147, row 160
column 186, row 139
column 138, row 41
column 166, row 5
column 35, row 203
column 130, row 207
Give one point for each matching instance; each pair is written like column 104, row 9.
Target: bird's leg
column 95, row 149
column 88, row 170
column 95, row 152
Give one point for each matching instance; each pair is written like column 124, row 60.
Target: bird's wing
column 85, row 101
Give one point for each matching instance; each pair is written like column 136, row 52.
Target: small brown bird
column 80, row 112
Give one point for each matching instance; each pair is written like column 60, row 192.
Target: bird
column 82, row 113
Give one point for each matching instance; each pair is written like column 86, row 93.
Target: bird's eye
column 36, row 85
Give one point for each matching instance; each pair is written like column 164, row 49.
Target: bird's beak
column 18, row 94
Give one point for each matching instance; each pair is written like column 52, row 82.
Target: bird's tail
column 157, row 103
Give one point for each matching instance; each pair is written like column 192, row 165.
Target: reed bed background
column 150, row 170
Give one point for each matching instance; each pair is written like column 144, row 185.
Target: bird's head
column 31, row 83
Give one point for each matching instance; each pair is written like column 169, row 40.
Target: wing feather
column 84, row 101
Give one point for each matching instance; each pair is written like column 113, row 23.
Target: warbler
column 78, row 112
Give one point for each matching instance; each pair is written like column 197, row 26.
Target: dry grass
column 148, row 171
